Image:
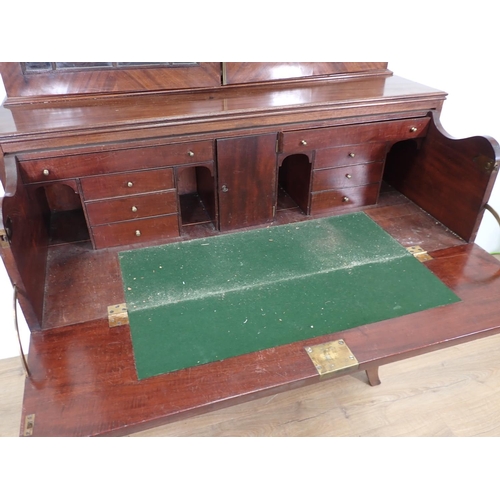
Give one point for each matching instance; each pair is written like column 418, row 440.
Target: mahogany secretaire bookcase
column 101, row 158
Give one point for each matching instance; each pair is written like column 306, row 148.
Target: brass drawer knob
column 137, row 233
column 191, row 153
column 413, row 129
column 130, row 184
column 46, row 172
column 345, row 199
column 349, row 176
column 134, row 209
column 352, row 155
column 304, row 143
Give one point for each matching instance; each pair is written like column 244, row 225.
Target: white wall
column 472, row 108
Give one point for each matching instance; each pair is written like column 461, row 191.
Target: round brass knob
column 130, row 184
column 345, row 198
column 413, row 129
column 137, row 233
column 190, row 153
column 134, row 209
column 352, row 155
column 46, row 172
column 304, row 143
column 349, row 176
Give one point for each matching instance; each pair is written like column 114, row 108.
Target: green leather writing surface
column 208, row 299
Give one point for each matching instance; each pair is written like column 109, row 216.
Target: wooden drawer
column 326, row 201
column 390, row 131
column 131, row 207
column 350, row 155
column 107, row 186
column 64, row 167
column 137, row 231
column 355, row 175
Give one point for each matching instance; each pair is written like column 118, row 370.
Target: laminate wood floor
column 452, row 392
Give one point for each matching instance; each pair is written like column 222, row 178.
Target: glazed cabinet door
column 246, row 181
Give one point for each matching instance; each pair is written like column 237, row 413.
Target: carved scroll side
column 10, row 187
column 450, row 178
column 24, row 243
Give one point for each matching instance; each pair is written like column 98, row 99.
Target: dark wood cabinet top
column 163, row 114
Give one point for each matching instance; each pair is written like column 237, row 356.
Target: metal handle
column 304, row 143
column 349, row 176
column 137, row 233
column 493, row 212
column 352, row 155
column 345, row 199
column 224, row 188
column 190, row 153
column 16, row 326
column 413, row 129
column 130, row 184
column 134, row 209
column 46, row 172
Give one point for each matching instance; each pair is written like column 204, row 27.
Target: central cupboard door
column 246, row 181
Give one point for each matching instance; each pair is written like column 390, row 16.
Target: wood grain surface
column 452, row 392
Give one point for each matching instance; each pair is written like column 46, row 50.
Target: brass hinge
column 486, row 163
column 29, row 424
column 4, row 238
column 419, row 253
column 117, row 315
column 332, row 357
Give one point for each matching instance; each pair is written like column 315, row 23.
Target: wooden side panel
column 247, row 181
column 295, row 178
column 206, row 190
column 449, row 178
column 25, row 242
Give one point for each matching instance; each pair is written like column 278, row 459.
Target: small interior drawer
column 130, row 183
column 131, row 207
column 105, row 162
column 350, row 155
column 136, row 231
column 327, row 201
column 389, row 131
column 350, row 176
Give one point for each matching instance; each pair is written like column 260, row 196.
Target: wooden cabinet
column 135, row 156
column 330, row 169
